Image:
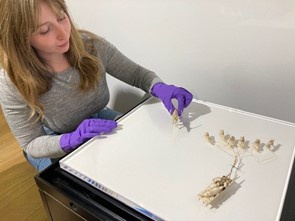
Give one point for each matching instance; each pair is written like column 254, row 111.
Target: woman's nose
column 61, row 33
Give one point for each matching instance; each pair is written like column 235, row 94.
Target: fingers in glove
column 184, row 98
column 181, row 105
column 95, row 127
column 168, row 104
column 100, row 129
column 185, row 95
column 188, row 99
column 89, row 135
column 101, row 125
column 102, row 122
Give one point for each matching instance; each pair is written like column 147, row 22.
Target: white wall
column 238, row 53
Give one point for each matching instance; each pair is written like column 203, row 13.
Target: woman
column 53, row 83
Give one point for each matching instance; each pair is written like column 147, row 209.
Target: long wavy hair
column 27, row 71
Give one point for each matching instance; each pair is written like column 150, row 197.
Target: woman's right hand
column 85, row 131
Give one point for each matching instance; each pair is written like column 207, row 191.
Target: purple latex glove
column 167, row 92
column 86, row 130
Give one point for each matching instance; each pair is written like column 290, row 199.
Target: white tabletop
column 151, row 164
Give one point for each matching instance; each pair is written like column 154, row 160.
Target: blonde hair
column 27, row 71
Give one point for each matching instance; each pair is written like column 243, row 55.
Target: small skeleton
column 207, row 137
column 256, row 144
column 270, row 143
column 241, row 143
column 231, row 141
column 222, row 136
column 214, row 189
column 218, row 185
column 175, row 117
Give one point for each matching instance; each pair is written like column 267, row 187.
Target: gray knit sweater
column 65, row 106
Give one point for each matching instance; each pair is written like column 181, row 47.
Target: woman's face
column 53, row 33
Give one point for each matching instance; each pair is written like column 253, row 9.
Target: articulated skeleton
column 218, row 185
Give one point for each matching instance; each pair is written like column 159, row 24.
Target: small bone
column 212, row 192
column 242, row 143
column 218, row 185
column 256, row 144
column 207, row 137
column 270, row 143
column 175, row 117
column 231, row 141
column 222, row 136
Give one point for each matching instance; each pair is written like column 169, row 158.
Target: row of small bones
column 230, row 141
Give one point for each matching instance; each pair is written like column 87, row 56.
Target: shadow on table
column 192, row 112
column 226, row 194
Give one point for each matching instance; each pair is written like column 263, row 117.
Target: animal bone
column 218, row 185
column 242, row 143
column 256, row 144
column 270, row 143
column 207, row 137
column 222, row 136
column 231, row 142
column 175, row 117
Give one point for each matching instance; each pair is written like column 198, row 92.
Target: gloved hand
column 167, row 92
column 86, row 130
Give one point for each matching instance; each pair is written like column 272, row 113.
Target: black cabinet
column 67, row 198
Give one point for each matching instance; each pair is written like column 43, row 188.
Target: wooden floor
column 19, row 196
